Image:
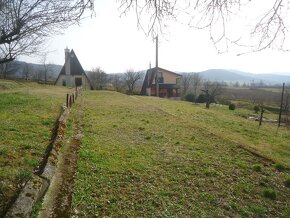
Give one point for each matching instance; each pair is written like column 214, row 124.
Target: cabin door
column 78, row 81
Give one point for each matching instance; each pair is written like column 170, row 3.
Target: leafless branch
column 270, row 29
column 26, row 24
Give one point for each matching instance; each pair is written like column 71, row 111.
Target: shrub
column 201, row 98
column 269, row 193
column 189, row 97
column 23, row 175
column 264, row 182
column 224, row 101
column 287, row 182
column 257, row 167
column 256, row 108
column 3, row 151
column 279, row 167
column 232, row 106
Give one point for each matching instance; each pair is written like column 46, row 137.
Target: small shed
column 72, row 73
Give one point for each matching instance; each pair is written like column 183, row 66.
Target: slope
column 149, row 157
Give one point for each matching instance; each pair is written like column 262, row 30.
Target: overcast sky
column 115, row 44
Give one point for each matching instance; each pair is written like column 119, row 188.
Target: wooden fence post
column 261, row 116
column 67, row 100
column 70, row 100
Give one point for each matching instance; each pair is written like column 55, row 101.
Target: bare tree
column 186, row 80
column 3, row 70
column 25, row 24
column 43, row 61
column 9, row 70
column 26, row 71
column 269, row 28
column 118, row 82
column 196, row 82
column 131, row 77
column 212, row 90
column 98, row 78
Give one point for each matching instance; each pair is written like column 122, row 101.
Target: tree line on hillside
column 121, row 82
column 43, row 72
column 128, row 82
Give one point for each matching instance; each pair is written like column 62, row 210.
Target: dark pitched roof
column 75, row 66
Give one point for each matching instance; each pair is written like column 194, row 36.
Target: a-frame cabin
column 72, row 73
column 168, row 83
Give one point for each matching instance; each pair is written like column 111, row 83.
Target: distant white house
column 72, row 73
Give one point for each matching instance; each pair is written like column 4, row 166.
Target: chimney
column 67, row 61
column 150, row 65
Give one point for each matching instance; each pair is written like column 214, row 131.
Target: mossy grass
column 280, row 167
column 257, row 167
column 269, row 193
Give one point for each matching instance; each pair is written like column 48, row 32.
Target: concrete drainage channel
column 47, row 178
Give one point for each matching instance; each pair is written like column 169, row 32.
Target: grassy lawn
column 143, row 156
column 230, row 125
column 27, row 114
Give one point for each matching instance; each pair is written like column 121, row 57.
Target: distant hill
column 243, row 77
column 20, row 69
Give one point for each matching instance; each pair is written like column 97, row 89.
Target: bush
column 232, row 106
column 257, row 167
column 201, row 98
column 287, row 182
column 189, row 97
column 269, row 193
column 256, row 108
column 280, row 167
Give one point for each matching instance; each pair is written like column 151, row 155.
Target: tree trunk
column 207, row 104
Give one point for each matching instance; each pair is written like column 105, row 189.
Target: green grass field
column 150, row 157
column 27, row 114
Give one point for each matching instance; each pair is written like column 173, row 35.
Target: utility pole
column 156, row 69
column 281, row 105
